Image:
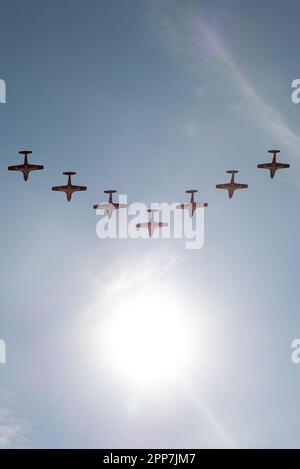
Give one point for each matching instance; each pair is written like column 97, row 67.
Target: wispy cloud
column 15, row 432
column 186, row 33
column 127, row 275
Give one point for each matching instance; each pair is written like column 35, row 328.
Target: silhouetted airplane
column 192, row 205
column 69, row 188
column 110, row 206
column 231, row 186
column 151, row 225
column 273, row 166
column 26, row 167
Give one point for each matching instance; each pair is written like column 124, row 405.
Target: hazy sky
column 151, row 97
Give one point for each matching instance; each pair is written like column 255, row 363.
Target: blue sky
column 151, row 97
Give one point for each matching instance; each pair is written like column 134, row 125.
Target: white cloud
column 14, row 432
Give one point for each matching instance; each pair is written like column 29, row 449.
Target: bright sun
column 147, row 338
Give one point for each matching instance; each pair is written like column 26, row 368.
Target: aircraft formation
column 151, row 225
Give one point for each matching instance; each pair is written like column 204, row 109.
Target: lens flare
column 147, row 337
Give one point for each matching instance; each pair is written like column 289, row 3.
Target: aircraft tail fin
column 69, row 173
column 232, row 171
column 110, row 192
column 191, row 191
column 274, row 153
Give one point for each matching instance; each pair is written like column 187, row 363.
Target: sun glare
column 147, row 337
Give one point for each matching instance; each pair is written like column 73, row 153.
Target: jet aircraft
column 274, row 165
column 192, row 205
column 151, row 225
column 109, row 206
column 26, row 167
column 69, row 188
column 232, row 185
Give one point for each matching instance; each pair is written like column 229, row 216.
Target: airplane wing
column 187, row 206
column 241, row 186
column 160, row 224
column 282, row 165
column 154, row 225
column 60, row 188
column 264, row 166
column 142, row 225
column 222, row 186
column 104, row 206
column 78, row 188
column 35, row 167
column 18, row 167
